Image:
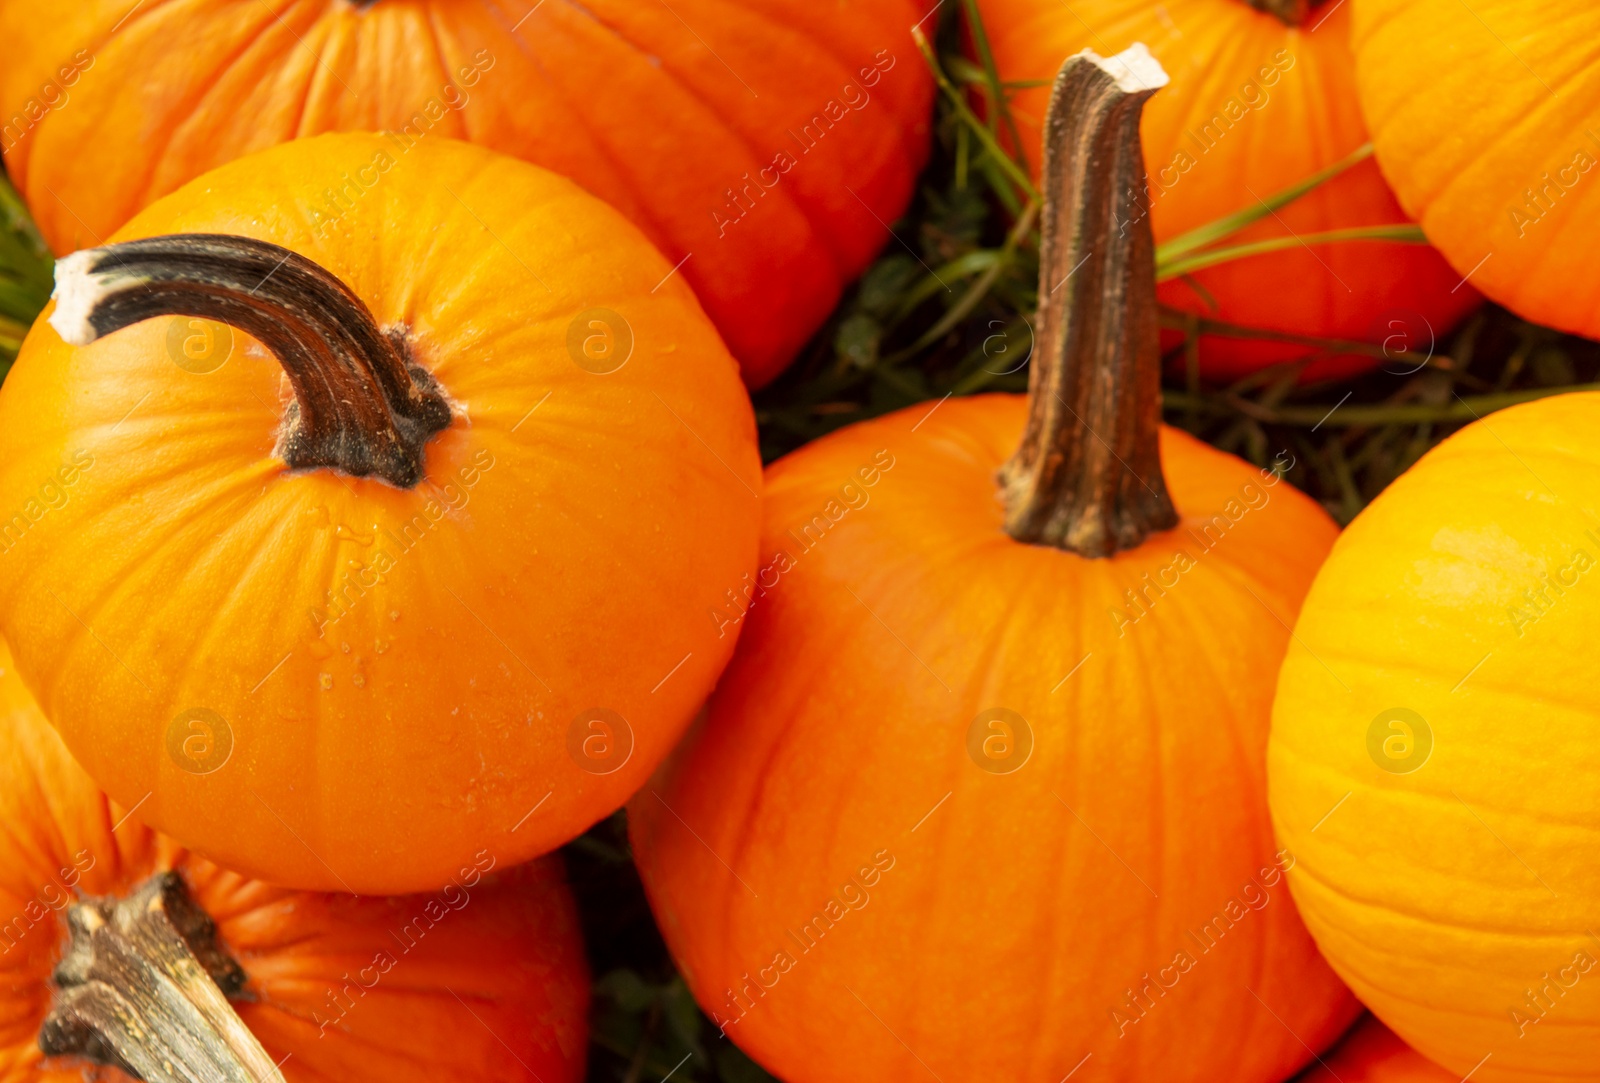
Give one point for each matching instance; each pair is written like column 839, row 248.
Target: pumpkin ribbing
column 755, row 142
column 360, row 407
column 398, row 669
column 338, row 987
column 1087, row 476
column 1453, row 617
column 958, row 808
column 144, row 987
column 1256, row 104
column 1492, row 146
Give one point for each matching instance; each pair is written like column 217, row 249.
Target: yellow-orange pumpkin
column 1257, row 102
column 761, row 144
column 973, row 807
column 1484, row 120
column 335, row 681
column 484, row 981
column 1433, row 760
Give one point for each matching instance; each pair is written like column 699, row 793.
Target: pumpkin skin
column 507, row 944
column 665, row 113
column 1303, row 120
column 1371, row 1053
column 389, row 715
column 1493, row 151
column 975, row 919
column 1458, row 876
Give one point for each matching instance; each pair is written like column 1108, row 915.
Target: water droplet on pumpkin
column 359, row 680
column 380, row 645
column 318, row 514
column 344, row 533
column 345, row 647
column 394, row 614
column 326, row 680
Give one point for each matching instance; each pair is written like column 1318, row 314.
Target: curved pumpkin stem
column 144, row 987
column 1290, row 12
column 1087, row 475
column 361, row 407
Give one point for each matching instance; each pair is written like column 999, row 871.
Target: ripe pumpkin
column 982, row 794
column 485, row 981
column 1258, row 102
column 306, row 633
column 1371, row 1053
column 1484, row 121
column 1431, row 762
column 761, row 144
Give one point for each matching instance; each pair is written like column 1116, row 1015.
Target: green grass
column 644, row 1022
column 25, row 273
column 945, row 310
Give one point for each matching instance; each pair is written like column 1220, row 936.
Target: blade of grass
column 963, row 155
column 1400, row 233
column 1001, row 118
column 965, row 71
column 15, row 218
column 953, row 95
column 1211, row 232
column 1461, row 409
column 974, row 375
column 1178, row 320
column 21, row 301
column 26, row 270
column 974, row 293
column 976, row 262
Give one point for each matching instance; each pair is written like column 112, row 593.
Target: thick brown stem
column 1291, row 12
column 361, row 407
column 1087, row 475
column 144, row 988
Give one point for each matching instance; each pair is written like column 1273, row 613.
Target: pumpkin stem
column 144, row 987
column 1087, row 475
column 1290, row 12
column 361, row 406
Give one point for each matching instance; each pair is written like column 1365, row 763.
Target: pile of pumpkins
column 379, row 511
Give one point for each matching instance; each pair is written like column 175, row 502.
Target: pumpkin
column 420, row 563
column 762, row 145
column 1432, row 760
column 1371, row 1053
column 982, row 794
column 1484, row 122
column 485, row 980
column 1259, row 100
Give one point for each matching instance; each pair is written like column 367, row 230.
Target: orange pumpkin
column 982, row 795
column 1440, row 692
column 1258, row 102
column 760, row 144
column 1372, row 1053
column 306, row 631
column 485, row 980
column 1484, row 121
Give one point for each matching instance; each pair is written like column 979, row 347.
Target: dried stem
column 361, row 407
column 144, row 988
column 1087, row 475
